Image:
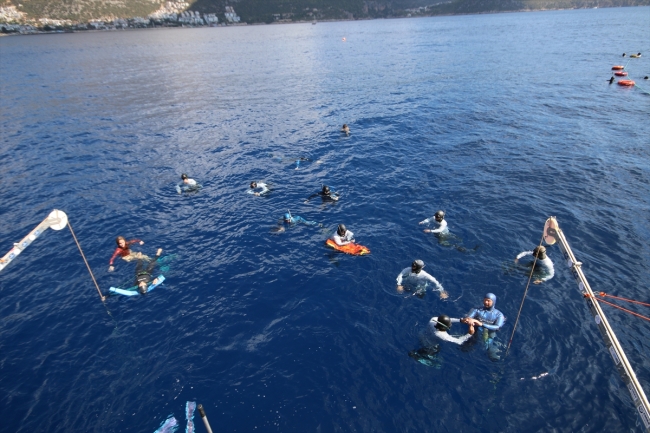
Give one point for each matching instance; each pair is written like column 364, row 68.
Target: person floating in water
column 416, row 273
column 125, row 252
column 290, row 220
column 488, row 320
column 442, row 324
column 342, row 236
column 143, row 273
column 611, row 80
column 636, row 56
column 326, row 194
column 445, row 238
column 438, row 327
column 439, row 218
column 187, row 184
column 345, row 129
column 263, row 188
column 543, row 262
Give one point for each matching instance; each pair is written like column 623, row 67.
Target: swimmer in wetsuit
column 445, row 238
column 125, row 252
column 488, row 320
column 290, row 220
column 439, row 218
column 545, row 264
column 143, row 273
column 343, row 236
column 261, row 185
column 416, row 273
column 187, row 184
column 326, row 194
column 438, row 327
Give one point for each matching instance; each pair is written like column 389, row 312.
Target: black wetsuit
column 332, row 196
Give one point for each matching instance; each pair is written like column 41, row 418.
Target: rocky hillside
column 255, row 11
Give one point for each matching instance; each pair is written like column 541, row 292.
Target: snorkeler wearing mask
column 439, row 218
column 263, row 188
column 143, row 275
column 343, row 236
column 442, row 324
column 545, row 264
column 290, row 220
column 326, row 194
column 416, row 273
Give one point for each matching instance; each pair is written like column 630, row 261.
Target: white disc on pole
column 58, row 219
column 550, row 228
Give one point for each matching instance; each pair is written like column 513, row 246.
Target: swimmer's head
column 142, row 287
column 444, row 323
column 439, row 216
column 120, row 241
column 183, row 176
column 287, row 217
column 489, row 300
column 540, row 252
column 341, row 230
column 253, row 184
column 326, row 190
column 417, row 266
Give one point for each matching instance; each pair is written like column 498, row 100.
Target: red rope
column 624, row 309
column 603, row 294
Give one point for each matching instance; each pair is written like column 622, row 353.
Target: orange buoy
column 625, row 83
column 620, row 73
column 617, row 68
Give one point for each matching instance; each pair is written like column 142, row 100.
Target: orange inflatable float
column 620, row 73
column 617, row 68
column 625, row 83
column 353, row 249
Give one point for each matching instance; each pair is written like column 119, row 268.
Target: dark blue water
column 500, row 120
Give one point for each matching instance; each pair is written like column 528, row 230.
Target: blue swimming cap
column 493, row 297
column 287, row 216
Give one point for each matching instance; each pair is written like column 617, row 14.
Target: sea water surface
column 500, row 120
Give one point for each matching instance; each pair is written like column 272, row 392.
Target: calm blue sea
column 500, row 120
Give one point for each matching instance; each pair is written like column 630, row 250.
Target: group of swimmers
column 487, row 320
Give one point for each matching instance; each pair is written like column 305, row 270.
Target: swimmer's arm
column 462, row 339
column 442, row 228
column 265, row 189
column 115, row 254
column 520, row 255
column 312, row 196
column 499, row 323
column 337, row 239
column 402, row 275
column 425, row 221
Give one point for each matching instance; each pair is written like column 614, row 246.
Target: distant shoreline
column 68, row 31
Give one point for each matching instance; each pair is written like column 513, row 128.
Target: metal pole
column 56, row 220
column 616, row 351
column 204, row 418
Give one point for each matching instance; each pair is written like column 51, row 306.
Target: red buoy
column 620, row 73
column 617, row 68
column 625, row 83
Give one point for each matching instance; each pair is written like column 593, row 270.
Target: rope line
column 103, row 298
column 530, row 277
column 621, row 308
column 603, row 294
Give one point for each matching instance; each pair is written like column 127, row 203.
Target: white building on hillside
column 231, row 16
